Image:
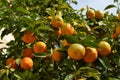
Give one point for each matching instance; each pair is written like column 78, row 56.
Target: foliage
column 16, row 16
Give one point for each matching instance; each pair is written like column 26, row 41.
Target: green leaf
column 75, row 2
column 45, row 28
column 23, row 10
column 115, row 0
column 72, row 38
column 27, row 74
column 111, row 78
column 110, row 6
column 2, row 72
column 69, row 77
column 91, row 72
column 87, row 71
column 115, row 58
column 50, row 11
column 19, row 75
column 105, row 62
column 41, row 55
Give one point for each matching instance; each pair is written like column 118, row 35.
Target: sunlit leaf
column 23, row 10
column 2, row 72
column 75, row 2
column 72, row 38
column 19, row 75
column 105, row 62
column 41, row 55
column 89, row 41
column 110, row 6
column 45, row 28
column 69, row 77
column 115, row 0
column 111, row 78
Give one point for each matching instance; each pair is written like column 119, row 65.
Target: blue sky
column 96, row 4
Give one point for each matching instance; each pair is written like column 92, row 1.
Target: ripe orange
column 80, row 79
column 28, row 37
column 58, row 32
column 40, row 47
column 11, row 63
column 65, row 43
column 104, row 48
column 56, row 21
column 76, row 51
column 114, row 35
column 90, row 14
column 56, row 56
column 26, row 63
column 117, row 30
column 90, row 55
column 119, row 16
column 28, row 52
column 99, row 14
column 67, row 29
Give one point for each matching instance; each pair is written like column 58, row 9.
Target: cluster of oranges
column 91, row 14
column 60, row 27
column 26, row 63
column 98, row 14
column 77, row 51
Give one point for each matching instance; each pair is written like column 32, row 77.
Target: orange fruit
column 114, row 36
column 28, row 52
column 80, row 79
column 26, row 63
column 104, row 48
column 28, row 37
column 67, row 29
column 58, row 32
column 90, row 14
column 119, row 16
column 40, row 47
column 56, row 21
column 76, row 51
column 65, row 43
column 90, row 55
column 117, row 30
column 11, row 63
column 99, row 14
column 56, row 56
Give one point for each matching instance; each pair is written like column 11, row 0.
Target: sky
column 96, row 4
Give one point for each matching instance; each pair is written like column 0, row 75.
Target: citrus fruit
column 90, row 14
column 26, row 63
column 90, row 55
column 39, row 47
column 99, row 14
column 56, row 21
column 114, row 36
column 76, row 51
column 67, row 29
column 65, row 43
column 119, row 16
column 28, row 37
column 56, row 56
column 58, row 32
column 104, row 48
column 80, row 79
column 28, row 52
column 11, row 63
column 117, row 30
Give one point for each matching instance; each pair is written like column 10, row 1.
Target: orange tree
column 43, row 25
